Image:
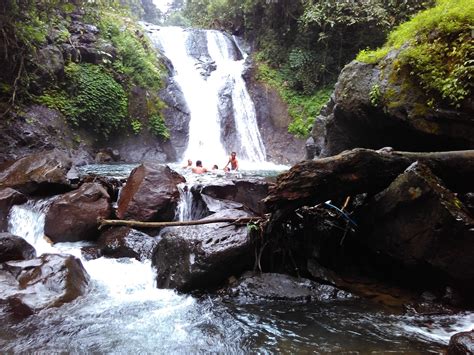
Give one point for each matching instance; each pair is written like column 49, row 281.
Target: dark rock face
column 461, row 343
column 247, row 192
column 15, row 248
column 421, row 224
column 48, row 281
column 150, row 194
column 378, row 105
column 200, row 257
column 8, row 198
column 273, row 120
column 279, row 287
column 41, row 172
column 73, row 216
column 36, row 129
column 118, row 242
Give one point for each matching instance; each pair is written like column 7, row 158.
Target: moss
column 438, row 50
column 302, row 108
column 419, row 110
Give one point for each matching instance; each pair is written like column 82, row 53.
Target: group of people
column 232, row 164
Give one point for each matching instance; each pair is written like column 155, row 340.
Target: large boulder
column 8, row 198
column 378, row 105
column 279, row 287
column 247, row 192
column 461, row 343
column 150, row 194
column 13, row 247
column 73, row 216
column 125, row 242
column 203, row 256
column 48, row 281
column 423, row 226
column 40, row 172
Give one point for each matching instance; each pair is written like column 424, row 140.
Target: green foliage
column 308, row 41
column 137, row 59
column 375, row 95
column 302, row 108
column 438, row 51
column 136, row 126
column 156, row 123
column 99, row 101
column 94, row 99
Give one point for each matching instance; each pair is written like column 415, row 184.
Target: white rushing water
column 124, row 312
column 203, row 96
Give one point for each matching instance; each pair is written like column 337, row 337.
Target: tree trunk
column 131, row 223
column 363, row 170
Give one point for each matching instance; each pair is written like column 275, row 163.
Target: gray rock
column 203, row 256
column 119, row 242
column 279, row 287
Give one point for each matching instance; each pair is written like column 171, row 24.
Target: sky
column 162, row 4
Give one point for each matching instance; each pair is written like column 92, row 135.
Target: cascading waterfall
column 203, row 93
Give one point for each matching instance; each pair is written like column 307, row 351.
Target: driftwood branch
column 132, row 223
column 362, row 170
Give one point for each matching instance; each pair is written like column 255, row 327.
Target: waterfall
column 210, row 76
column 27, row 221
column 184, row 209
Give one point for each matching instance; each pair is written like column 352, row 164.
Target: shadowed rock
column 420, row 223
column 8, row 198
column 48, row 281
column 73, row 216
column 150, row 194
column 13, row 247
column 461, row 343
column 118, row 242
column 41, row 172
column 281, row 287
column 247, row 192
column 200, row 257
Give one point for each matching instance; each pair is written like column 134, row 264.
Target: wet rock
column 279, row 287
column 119, row 242
column 247, row 192
column 48, row 281
column 38, row 173
column 8, row 198
column 177, row 117
column 91, row 252
column 200, row 257
column 73, row 216
column 422, row 225
column 461, row 343
column 13, row 247
column 150, row 194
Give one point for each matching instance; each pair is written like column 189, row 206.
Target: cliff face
column 378, row 105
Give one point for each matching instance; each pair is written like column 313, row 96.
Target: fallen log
column 362, row 170
column 132, row 223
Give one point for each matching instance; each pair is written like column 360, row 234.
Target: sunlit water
column 123, row 312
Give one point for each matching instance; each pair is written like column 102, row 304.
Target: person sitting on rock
column 199, row 169
column 234, row 163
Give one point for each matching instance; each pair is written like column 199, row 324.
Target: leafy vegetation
column 305, row 42
column 438, row 50
column 302, row 108
column 90, row 94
